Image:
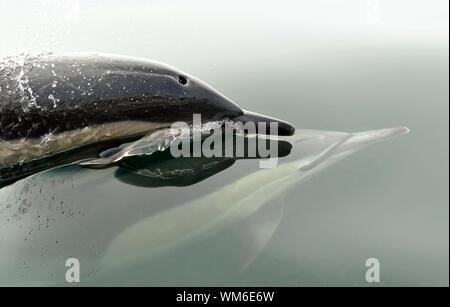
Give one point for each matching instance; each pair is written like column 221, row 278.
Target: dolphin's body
column 53, row 103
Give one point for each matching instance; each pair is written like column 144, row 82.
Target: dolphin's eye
column 183, row 80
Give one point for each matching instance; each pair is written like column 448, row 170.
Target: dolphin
column 54, row 103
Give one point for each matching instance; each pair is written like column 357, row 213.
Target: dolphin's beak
column 284, row 128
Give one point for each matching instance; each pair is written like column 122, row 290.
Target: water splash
column 157, row 141
column 17, row 69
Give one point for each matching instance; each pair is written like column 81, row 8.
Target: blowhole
column 183, row 80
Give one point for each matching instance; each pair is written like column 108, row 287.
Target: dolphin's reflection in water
column 167, row 204
column 161, row 169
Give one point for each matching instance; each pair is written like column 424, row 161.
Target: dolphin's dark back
column 52, row 94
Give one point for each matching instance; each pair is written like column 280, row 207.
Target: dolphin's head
column 191, row 96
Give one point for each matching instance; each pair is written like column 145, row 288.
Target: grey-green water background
column 329, row 65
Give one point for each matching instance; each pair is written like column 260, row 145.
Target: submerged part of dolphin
column 241, row 199
column 114, row 232
column 54, row 103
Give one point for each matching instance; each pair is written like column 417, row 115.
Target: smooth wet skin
column 51, row 94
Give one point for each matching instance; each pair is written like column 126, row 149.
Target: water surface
column 320, row 67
